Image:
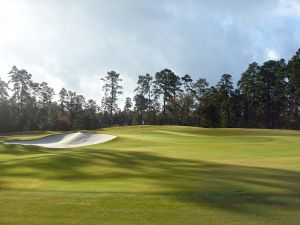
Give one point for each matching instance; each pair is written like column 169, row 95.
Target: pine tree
column 112, row 89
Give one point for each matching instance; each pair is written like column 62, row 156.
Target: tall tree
column 293, row 72
column 3, row 90
column 63, row 96
column 4, row 107
column 71, row 107
column 167, row 84
column 201, row 90
column 63, row 117
column 22, row 99
column 112, row 89
column 45, row 95
column 225, row 90
column 211, row 108
column 90, row 115
column 188, row 96
column 247, row 86
column 175, row 89
column 280, row 96
column 141, row 104
column 269, row 76
column 127, row 112
column 145, row 88
column 128, row 105
column 79, row 106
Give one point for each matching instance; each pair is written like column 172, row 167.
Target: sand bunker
column 67, row 140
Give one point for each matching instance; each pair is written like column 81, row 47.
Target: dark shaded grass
column 213, row 184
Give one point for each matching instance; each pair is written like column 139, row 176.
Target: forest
column 266, row 96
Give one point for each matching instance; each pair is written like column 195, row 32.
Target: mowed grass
column 167, row 175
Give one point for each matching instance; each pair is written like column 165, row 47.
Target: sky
column 72, row 43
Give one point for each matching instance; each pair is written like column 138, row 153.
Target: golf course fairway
column 163, row 175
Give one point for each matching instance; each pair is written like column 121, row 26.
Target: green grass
column 169, row 175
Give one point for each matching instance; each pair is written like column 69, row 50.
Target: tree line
column 266, row 96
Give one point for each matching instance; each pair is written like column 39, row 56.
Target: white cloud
column 272, row 54
column 71, row 43
column 288, row 8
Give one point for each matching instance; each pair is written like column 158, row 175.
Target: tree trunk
column 164, row 110
column 174, row 113
column 187, row 115
column 149, row 107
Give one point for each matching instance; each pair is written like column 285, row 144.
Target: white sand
column 67, row 140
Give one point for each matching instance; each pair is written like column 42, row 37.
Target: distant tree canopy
column 266, row 96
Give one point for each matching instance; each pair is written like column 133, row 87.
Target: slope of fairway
column 163, row 175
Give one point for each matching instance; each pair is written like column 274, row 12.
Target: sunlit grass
column 163, row 175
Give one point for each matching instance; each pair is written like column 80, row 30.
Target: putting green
column 167, row 175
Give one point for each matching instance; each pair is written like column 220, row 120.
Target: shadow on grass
column 21, row 150
column 223, row 186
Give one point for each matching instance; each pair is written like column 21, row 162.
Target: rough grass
column 169, row 175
